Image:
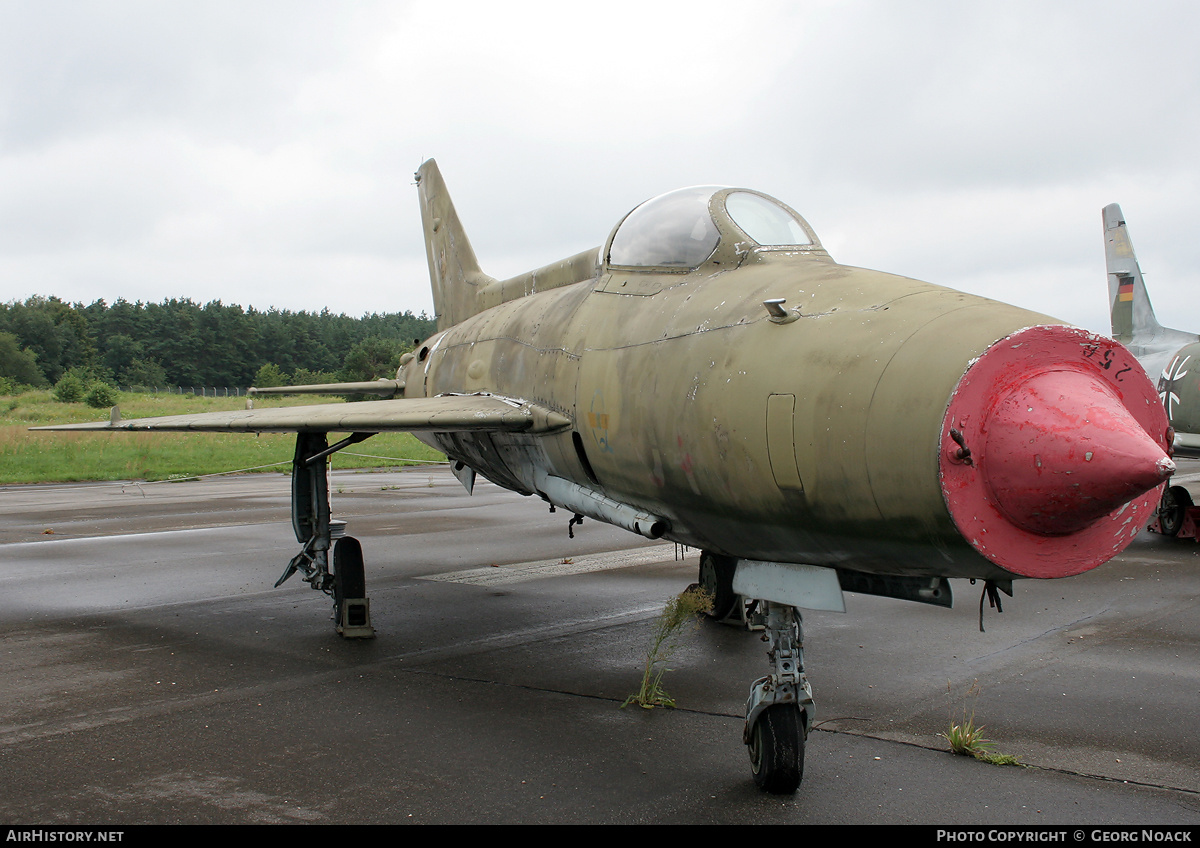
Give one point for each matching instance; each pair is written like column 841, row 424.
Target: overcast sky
column 262, row 153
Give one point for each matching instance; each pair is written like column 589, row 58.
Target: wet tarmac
column 152, row 674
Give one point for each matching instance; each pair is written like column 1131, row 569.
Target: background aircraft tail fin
column 1132, row 315
column 454, row 271
column 1133, row 321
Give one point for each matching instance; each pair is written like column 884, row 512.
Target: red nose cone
column 1062, row 452
column 1053, row 448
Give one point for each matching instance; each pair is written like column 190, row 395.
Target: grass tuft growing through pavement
column 966, row 737
column 682, row 610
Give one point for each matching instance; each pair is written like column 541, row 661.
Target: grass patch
column 966, row 737
column 27, row 457
column 682, row 610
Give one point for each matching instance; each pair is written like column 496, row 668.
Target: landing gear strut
column 779, row 711
column 317, row 532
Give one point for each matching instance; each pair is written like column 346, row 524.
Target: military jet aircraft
column 1172, row 357
column 710, row 375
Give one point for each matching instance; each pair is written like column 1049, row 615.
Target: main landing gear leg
column 318, row 533
column 779, row 712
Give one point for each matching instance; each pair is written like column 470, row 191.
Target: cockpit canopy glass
column 676, row 230
column 763, row 220
column 672, row 230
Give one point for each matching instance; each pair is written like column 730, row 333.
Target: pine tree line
column 180, row 342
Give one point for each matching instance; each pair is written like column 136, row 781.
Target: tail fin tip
column 454, row 272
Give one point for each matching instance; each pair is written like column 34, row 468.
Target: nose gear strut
column 779, row 711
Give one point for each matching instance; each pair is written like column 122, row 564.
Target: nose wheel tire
column 777, row 749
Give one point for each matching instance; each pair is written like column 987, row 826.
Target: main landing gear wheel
column 777, row 749
column 716, row 578
column 351, row 609
column 1172, row 509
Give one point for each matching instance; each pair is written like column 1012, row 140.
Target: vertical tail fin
column 454, row 272
column 1133, row 320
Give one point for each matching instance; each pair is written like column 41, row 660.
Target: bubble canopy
column 682, row 229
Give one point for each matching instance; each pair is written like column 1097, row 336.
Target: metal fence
column 202, row 391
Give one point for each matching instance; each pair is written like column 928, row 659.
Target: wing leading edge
column 443, row 414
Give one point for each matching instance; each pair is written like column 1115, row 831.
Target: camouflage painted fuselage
column 810, row 441
column 725, row 384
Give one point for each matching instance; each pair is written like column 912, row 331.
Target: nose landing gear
column 779, row 711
